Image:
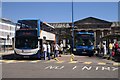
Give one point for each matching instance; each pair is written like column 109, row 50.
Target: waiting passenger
column 44, row 50
column 61, row 49
column 56, row 48
column 48, row 50
column 104, row 48
column 110, row 50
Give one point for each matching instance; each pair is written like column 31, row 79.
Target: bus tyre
column 91, row 55
column 15, row 55
column 38, row 56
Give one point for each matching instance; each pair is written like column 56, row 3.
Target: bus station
column 43, row 45
column 101, row 30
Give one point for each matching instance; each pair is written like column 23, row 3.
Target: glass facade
column 7, row 30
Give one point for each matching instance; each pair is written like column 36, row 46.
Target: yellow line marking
column 34, row 61
column 1, row 61
column 49, row 61
column 22, row 61
column 73, row 61
column 59, row 61
column 87, row 62
column 10, row 61
column 102, row 63
column 116, row 64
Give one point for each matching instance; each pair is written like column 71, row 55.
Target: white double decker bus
column 29, row 37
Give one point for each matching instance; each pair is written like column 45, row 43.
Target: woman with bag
column 60, row 49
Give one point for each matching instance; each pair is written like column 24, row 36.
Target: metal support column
column 72, row 28
column 95, row 38
column 102, row 34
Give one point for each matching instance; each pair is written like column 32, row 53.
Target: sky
column 59, row 11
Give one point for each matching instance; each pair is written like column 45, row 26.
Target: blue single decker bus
column 84, row 43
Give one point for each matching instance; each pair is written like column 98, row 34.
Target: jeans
column 45, row 54
column 110, row 55
column 56, row 53
column 48, row 54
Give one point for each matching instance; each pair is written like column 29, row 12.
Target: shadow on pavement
column 15, row 57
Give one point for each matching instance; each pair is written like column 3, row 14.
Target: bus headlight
column 74, row 49
column 92, row 47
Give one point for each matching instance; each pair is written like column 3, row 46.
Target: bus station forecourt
column 32, row 37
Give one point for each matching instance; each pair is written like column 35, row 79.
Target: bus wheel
column 15, row 56
column 90, row 55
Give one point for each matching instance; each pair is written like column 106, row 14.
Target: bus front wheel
column 91, row 55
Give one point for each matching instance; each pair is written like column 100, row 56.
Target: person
column 52, row 50
column 104, row 49
column 48, row 50
column 61, row 49
column 98, row 49
column 44, row 50
column 101, row 49
column 56, row 48
column 110, row 50
column 116, row 46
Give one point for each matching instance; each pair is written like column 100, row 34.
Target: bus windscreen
column 84, row 40
column 26, row 43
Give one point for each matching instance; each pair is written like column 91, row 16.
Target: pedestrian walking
column 110, row 50
column 101, row 49
column 61, row 49
column 48, row 50
column 104, row 50
column 56, row 48
column 116, row 46
column 98, row 49
column 44, row 50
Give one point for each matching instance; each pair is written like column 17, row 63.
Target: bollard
column 72, row 57
column 56, row 59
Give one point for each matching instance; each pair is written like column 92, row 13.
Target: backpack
column 113, row 53
column 116, row 45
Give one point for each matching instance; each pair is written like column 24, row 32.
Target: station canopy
column 111, row 36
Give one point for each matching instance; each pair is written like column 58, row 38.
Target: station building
column 100, row 27
column 7, row 31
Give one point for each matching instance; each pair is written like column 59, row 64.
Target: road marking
column 74, row 67
column 22, row 61
column 34, row 61
column 10, row 61
column 59, row 61
column 116, row 64
column 73, row 61
column 101, row 63
column 55, row 67
column 52, row 61
column 87, row 63
column 49, row 61
column 1, row 61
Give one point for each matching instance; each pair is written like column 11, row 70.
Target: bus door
column 40, row 45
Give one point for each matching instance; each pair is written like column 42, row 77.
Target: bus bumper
column 35, row 56
column 84, row 52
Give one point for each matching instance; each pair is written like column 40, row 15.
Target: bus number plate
column 26, row 56
column 84, row 52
